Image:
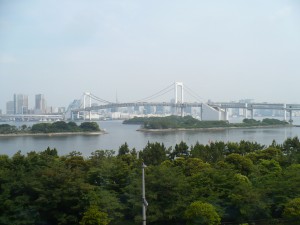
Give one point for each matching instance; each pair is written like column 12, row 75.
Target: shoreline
column 210, row 128
column 54, row 134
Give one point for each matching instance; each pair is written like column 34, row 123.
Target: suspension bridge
column 178, row 102
column 207, row 111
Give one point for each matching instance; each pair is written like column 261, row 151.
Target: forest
column 216, row 183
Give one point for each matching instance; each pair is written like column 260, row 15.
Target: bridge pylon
column 179, row 99
column 87, row 95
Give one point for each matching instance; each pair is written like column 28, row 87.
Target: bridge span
column 180, row 105
column 222, row 107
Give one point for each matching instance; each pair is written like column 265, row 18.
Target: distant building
column 20, row 104
column 136, row 109
column 10, row 109
column 188, row 110
column 40, row 104
column 148, row 109
column 61, row 109
column 160, row 109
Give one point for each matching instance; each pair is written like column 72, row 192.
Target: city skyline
column 22, row 104
column 224, row 51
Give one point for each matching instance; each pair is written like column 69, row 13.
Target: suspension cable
column 99, row 99
column 167, row 91
column 193, row 93
column 159, row 93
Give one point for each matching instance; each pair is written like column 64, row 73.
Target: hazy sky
column 222, row 50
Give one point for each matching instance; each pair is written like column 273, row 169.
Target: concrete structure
column 212, row 113
column 180, row 86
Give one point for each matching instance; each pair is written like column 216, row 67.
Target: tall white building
column 10, row 107
column 20, row 104
column 40, row 104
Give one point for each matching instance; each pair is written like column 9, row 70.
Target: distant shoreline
column 54, row 134
column 210, row 128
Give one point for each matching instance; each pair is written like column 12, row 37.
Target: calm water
column 118, row 134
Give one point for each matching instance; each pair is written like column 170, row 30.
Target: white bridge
column 180, row 105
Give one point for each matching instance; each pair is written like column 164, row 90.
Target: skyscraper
column 10, row 107
column 20, row 104
column 40, row 104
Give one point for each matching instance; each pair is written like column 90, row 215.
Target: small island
column 56, row 128
column 188, row 122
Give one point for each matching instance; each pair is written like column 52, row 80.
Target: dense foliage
column 235, row 183
column 188, row 122
column 56, row 127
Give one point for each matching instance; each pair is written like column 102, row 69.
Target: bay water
column 118, row 133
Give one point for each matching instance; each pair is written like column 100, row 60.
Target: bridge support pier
column 246, row 111
column 284, row 112
column 201, row 111
column 226, row 113
column 252, row 113
column 291, row 117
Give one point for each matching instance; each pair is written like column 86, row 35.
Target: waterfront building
column 136, row 109
column 160, row 109
column 61, row 109
column 20, row 104
column 188, row 110
column 40, row 104
column 148, row 109
column 10, row 107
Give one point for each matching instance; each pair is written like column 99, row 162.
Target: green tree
column 181, row 150
column 201, row 213
column 60, row 126
column 153, row 154
column 211, row 153
column 123, row 149
column 240, row 163
column 93, row 216
column 292, row 210
column 291, row 148
column 89, row 126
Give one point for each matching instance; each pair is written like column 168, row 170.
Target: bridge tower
column 87, row 95
column 180, row 85
column 179, row 99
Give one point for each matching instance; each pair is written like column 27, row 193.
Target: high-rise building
column 40, row 104
column 10, row 109
column 20, row 104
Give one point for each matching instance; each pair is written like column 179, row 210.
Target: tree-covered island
column 188, row 122
column 59, row 127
